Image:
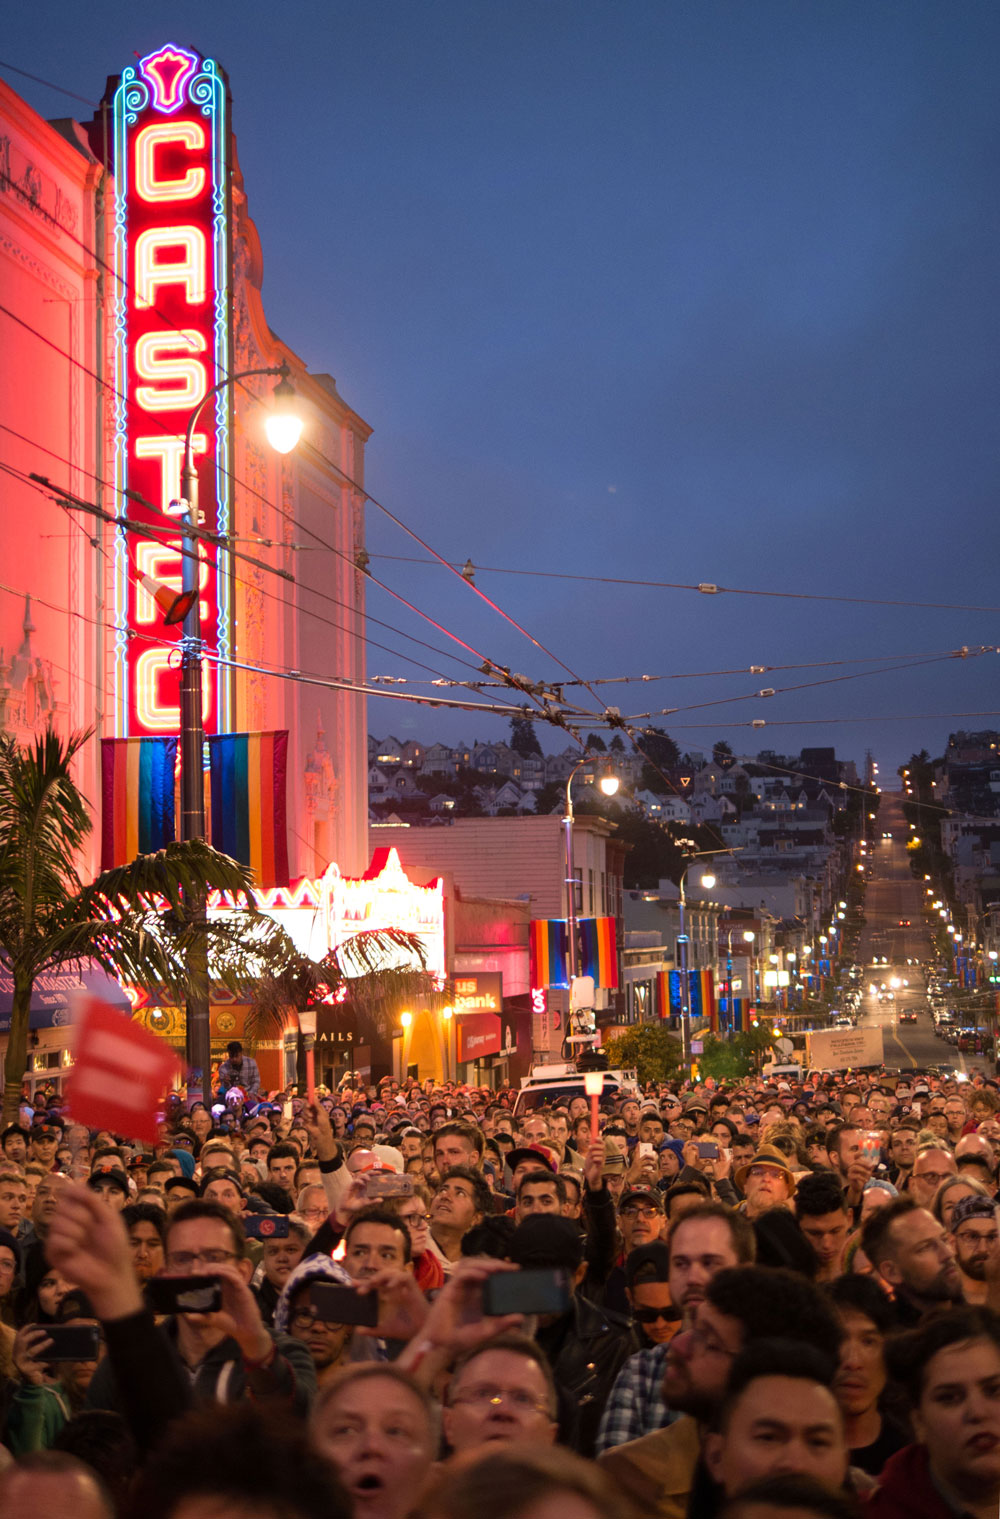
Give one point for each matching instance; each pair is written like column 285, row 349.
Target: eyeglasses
column 978, row 1237
column 481, row 1397
column 183, row 1260
column 759, row 1171
column 650, row 1315
column 415, row 1220
column 307, row 1318
column 632, row 1210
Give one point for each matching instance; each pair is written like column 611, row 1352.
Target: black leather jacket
column 586, row 1351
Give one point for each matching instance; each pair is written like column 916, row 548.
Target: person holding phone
column 54, row 1378
column 587, row 1344
column 329, row 1343
column 153, row 1374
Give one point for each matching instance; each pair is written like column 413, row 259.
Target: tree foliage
column 722, row 754
column 740, row 1055
column 661, row 756
column 132, row 922
column 650, row 1047
column 523, row 738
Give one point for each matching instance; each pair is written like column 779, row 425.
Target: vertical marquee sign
column 172, row 345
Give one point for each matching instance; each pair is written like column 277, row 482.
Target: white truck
column 843, row 1049
column 560, row 1081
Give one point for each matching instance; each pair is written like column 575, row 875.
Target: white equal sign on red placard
column 120, row 1073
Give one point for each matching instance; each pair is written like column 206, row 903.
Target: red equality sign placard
column 119, row 1075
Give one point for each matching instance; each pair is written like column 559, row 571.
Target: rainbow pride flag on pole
column 248, row 779
column 548, row 952
column 709, row 1005
column 137, row 797
column 600, row 945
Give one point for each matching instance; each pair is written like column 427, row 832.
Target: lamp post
column 609, row 785
column 447, row 1015
column 748, row 938
column 283, row 431
column 709, row 881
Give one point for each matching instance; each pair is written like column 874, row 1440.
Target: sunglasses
column 650, row 1315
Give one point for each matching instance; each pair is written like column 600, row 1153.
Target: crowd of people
column 409, row 1301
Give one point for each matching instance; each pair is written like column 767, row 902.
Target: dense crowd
column 740, row 1301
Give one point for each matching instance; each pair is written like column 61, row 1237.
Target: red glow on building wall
column 171, row 124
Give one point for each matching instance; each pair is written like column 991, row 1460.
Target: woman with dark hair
column 949, row 1367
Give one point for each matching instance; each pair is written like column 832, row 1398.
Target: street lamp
column 748, row 938
column 609, row 785
column 283, row 436
column 707, row 880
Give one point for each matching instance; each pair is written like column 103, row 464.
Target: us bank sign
column 171, row 127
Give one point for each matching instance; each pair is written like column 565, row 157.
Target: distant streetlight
column 708, row 881
column 609, row 784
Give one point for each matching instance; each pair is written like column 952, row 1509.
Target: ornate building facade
column 297, row 614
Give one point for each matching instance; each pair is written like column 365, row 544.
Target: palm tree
column 130, row 921
column 377, row 991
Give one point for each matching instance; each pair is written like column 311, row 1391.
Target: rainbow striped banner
column 137, row 797
column 709, row 1006
column 599, row 959
column 248, row 777
column 548, row 952
column 663, row 1007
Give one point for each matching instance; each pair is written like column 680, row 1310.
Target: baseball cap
column 656, row 1254
column 540, row 1154
column 109, row 1176
column 972, row 1207
column 648, row 1194
column 547, row 1240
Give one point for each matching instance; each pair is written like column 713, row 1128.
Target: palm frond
column 375, row 966
column 44, row 821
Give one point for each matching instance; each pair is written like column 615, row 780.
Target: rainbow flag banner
column 664, row 1006
column 137, row 797
column 548, row 952
column 248, row 776
column 599, row 943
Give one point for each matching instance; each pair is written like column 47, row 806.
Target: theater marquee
column 171, row 124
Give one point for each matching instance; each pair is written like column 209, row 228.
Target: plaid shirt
column 636, row 1405
column 246, row 1076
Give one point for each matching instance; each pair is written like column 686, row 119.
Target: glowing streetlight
column 283, row 423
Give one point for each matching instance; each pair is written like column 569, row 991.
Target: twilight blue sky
column 682, row 291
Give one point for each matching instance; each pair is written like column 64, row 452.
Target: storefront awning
column 54, row 991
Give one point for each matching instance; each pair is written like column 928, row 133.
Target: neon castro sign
column 172, row 344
